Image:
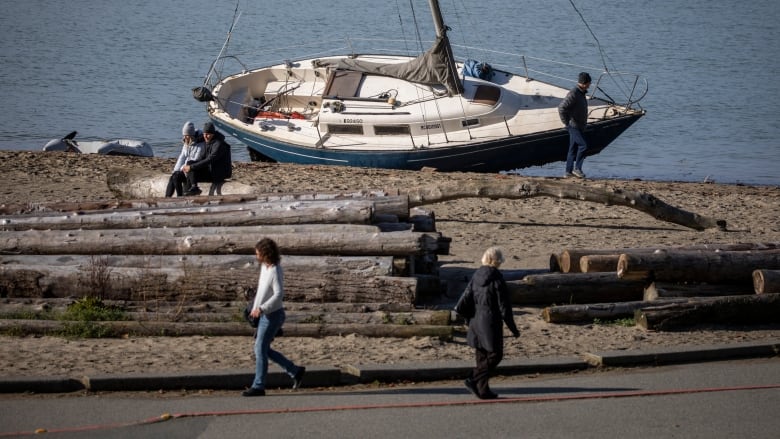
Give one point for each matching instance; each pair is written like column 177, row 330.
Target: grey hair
column 493, row 256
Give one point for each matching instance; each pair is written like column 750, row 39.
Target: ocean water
column 124, row 69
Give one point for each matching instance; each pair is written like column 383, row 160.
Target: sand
column 528, row 230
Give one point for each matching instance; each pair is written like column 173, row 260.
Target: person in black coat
column 215, row 164
column 573, row 111
column 485, row 305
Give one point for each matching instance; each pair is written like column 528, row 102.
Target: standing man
column 574, row 115
column 215, row 164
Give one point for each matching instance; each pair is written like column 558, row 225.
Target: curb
column 53, row 384
column 420, row 372
column 678, row 356
column 224, row 380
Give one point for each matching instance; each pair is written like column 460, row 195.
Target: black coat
column 573, row 109
column 490, row 296
column 215, row 159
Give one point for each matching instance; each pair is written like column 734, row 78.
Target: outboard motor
column 202, row 94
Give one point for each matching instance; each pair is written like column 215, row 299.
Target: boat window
column 345, row 129
column 389, row 130
column 469, row 122
column 487, row 94
column 343, row 83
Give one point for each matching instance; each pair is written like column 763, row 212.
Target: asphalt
column 385, row 373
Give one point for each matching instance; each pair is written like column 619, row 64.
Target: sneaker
column 193, row 191
column 472, row 387
column 253, row 392
column 298, row 378
column 568, row 175
column 579, row 174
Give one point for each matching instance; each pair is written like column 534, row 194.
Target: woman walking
column 485, row 305
column 269, row 308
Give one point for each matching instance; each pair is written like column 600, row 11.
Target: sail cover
column 432, row 68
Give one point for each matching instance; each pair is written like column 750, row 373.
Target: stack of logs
column 178, row 261
column 661, row 288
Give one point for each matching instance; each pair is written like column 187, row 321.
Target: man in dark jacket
column 215, row 164
column 486, row 304
column 573, row 111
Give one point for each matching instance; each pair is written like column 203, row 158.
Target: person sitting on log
column 192, row 147
column 215, row 165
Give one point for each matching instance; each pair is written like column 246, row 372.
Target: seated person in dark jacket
column 215, row 164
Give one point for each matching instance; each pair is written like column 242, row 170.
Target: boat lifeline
column 405, row 112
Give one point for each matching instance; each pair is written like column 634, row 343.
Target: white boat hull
column 371, row 120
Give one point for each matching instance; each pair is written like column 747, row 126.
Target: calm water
column 124, row 68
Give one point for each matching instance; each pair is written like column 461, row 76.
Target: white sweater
column 189, row 153
column 270, row 291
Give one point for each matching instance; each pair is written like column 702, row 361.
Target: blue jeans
column 266, row 331
column 575, row 138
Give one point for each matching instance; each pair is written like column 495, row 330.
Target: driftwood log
column 40, row 305
column 314, row 239
column 324, row 283
column 766, row 281
column 421, row 317
column 599, row 263
column 383, row 205
column 663, row 290
column 245, row 214
column 753, row 309
column 555, row 263
column 570, row 260
column 591, row 311
column 691, row 266
column 173, row 329
column 510, row 187
column 362, row 265
column 551, row 288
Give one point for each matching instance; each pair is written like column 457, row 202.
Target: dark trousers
column 577, row 147
column 487, row 362
column 200, row 175
column 176, row 184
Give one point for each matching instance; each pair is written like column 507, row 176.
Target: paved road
column 709, row 400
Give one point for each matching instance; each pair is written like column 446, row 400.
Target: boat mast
column 441, row 32
column 438, row 21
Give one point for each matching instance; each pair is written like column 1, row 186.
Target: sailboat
column 430, row 111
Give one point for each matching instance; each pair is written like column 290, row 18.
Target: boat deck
column 345, row 110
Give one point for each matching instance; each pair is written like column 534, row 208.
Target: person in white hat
column 191, row 151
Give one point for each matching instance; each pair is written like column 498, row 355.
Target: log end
column 546, row 314
column 555, row 263
column 758, row 281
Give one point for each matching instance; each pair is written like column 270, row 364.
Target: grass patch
column 627, row 322
column 81, row 317
column 92, row 309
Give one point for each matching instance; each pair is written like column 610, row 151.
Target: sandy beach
column 529, row 230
